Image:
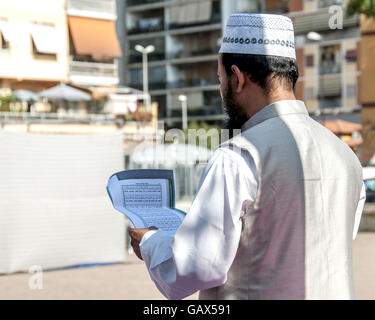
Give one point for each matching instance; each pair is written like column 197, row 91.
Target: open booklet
column 146, row 197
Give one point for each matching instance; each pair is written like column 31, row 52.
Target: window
column 4, row 43
column 44, row 41
column 330, row 59
column 351, row 56
column 309, row 60
column 158, row 54
column 4, row 34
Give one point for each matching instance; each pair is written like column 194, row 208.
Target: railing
column 139, row 2
column 318, row 21
column 329, row 67
column 193, row 83
column 152, row 85
column 327, row 3
column 155, row 56
column 330, row 85
column 93, row 69
column 185, row 53
column 216, row 18
column 104, row 6
column 138, row 30
column 6, row 117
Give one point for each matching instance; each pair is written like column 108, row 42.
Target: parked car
column 369, row 180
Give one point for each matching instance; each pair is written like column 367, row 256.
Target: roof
column 341, row 126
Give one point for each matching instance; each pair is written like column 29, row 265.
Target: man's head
column 257, row 64
column 249, row 82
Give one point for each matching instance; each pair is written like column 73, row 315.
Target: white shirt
column 200, row 254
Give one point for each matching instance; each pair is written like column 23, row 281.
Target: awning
column 95, row 37
column 45, row 38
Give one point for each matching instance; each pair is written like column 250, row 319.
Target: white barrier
column 54, row 209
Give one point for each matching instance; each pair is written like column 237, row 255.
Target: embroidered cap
column 266, row 34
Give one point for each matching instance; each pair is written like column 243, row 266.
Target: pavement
column 131, row 281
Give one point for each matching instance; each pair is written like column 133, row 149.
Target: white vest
column 296, row 240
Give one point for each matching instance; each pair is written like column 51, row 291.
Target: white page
column 164, row 218
column 146, row 202
column 145, row 193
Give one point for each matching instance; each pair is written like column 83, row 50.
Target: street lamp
column 183, row 100
column 316, row 37
column 145, row 52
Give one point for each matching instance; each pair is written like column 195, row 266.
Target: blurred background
column 87, row 87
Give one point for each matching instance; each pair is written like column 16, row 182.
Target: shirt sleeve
column 358, row 214
column 200, row 254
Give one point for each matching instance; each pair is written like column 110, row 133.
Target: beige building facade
column 34, row 44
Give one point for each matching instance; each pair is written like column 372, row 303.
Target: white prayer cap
column 265, row 34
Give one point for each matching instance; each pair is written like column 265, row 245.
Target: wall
column 19, row 62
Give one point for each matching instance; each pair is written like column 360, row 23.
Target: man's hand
column 136, row 236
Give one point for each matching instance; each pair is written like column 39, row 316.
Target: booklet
column 147, row 198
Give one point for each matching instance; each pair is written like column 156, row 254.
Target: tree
column 366, row 7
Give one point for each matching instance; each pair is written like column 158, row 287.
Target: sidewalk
column 131, row 281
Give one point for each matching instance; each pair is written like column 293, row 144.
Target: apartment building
column 187, row 34
column 34, row 44
column 93, row 43
column 45, row 42
column 187, row 37
column 366, row 86
column 328, row 59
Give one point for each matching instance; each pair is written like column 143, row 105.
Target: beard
column 235, row 117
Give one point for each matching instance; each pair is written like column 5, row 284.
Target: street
column 131, row 281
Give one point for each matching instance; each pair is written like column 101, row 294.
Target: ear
column 240, row 78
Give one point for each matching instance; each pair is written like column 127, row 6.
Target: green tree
column 5, row 102
column 367, row 7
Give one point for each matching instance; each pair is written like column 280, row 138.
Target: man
column 277, row 206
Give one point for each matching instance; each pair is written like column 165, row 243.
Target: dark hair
column 260, row 67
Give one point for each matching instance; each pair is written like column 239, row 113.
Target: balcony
column 159, row 85
column 195, row 44
column 96, row 8
column 145, row 22
column 93, row 73
column 318, row 21
column 328, row 3
column 187, row 83
column 131, row 3
column 155, row 56
column 192, row 14
column 330, row 85
column 198, row 53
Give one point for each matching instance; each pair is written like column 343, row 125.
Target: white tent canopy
column 64, row 92
column 25, row 95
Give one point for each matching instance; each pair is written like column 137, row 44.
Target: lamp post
column 145, row 52
column 316, row 37
column 183, row 100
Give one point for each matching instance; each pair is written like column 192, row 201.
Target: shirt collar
column 276, row 109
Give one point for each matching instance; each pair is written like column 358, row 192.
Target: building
column 94, row 47
column 366, row 88
column 187, row 34
column 34, row 44
column 187, row 37
column 45, row 42
column 327, row 60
